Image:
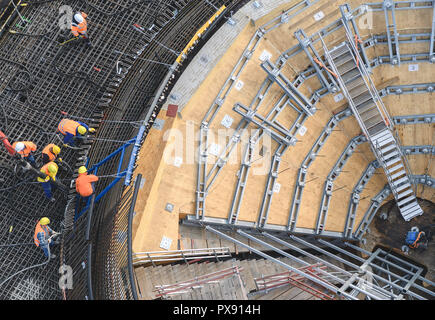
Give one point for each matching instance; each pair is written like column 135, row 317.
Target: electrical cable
column 27, row 71
column 78, row 74
column 28, row 268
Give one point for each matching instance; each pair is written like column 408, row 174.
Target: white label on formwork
column 178, row 161
column 319, row 16
column 265, row 55
column 276, row 187
column 165, row 243
column 214, row 149
column 239, row 85
column 302, row 130
column 338, row 97
column 227, row 121
column 413, row 67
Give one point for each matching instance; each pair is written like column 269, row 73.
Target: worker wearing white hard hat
column 79, row 26
column 25, row 149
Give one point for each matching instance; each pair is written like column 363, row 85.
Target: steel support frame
column 247, row 157
column 274, row 170
column 309, row 73
column 329, row 183
column 234, row 140
column 347, row 16
column 414, row 119
column 289, row 88
column 414, row 150
column 355, row 197
column 320, row 142
column 432, row 36
column 393, row 43
column 201, row 192
column 329, row 83
column 287, row 15
column 202, row 177
column 278, row 133
column 402, row 5
column 424, row 180
column 242, row 180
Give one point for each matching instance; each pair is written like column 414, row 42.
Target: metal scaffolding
column 113, row 86
column 351, row 273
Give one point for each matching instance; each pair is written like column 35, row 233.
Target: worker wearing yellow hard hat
column 71, row 129
column 85, row 183
column 50, row 153
column 50, row 169
column 44, row 236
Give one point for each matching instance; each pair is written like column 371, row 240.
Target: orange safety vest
column 39, row 229
column 47, row 151
column 80, row 28
column 84, row 184
column 30, row 147
column 68, row 126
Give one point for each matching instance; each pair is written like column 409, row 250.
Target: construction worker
column 50, row 153
column 50, row 170
column 25, row 149
column 79, row 27
column 44, row 236
column 70, row 129
column 84, row 183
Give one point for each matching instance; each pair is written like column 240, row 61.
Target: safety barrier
column 182, row 287
column 180, row 255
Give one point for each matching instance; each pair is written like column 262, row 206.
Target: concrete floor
column 392, row 233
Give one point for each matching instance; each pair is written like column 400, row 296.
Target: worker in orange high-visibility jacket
column 79, row 27
column 70, row 129
column 84, row 183
column 25, row 149
column 50, row 170
column 50, row 153
column 44, row 236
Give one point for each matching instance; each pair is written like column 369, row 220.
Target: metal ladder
column 373, row 118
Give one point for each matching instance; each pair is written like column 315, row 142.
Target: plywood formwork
column 178, row 185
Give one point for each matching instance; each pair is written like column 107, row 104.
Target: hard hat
column 52, row 168
column 82, row 130
column 82, row 169
column 78, row 17
column 44, row 221
column 56, row 150
column 19, row 147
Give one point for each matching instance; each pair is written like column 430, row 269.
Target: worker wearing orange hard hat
column 84, row 183
column 43, row 236
column 50, row 170
column 71, row 128
column 25, row 149
column 79, row 27
column 50, row 153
